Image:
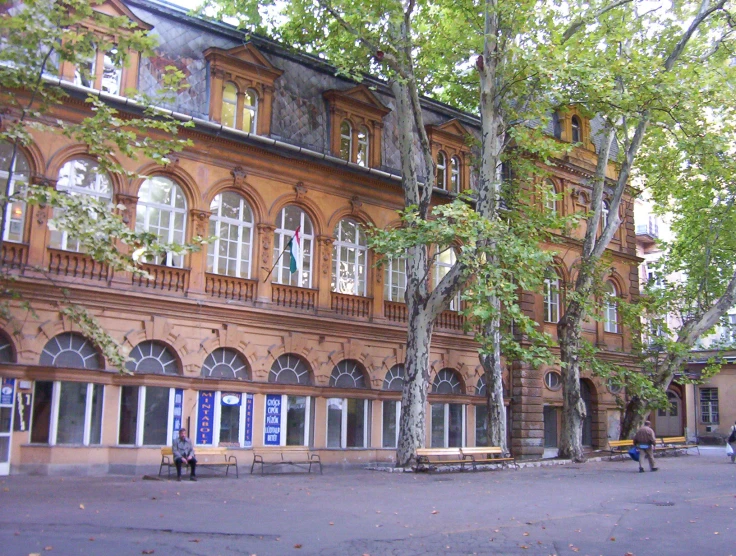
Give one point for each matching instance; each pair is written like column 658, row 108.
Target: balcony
column 230, row 287
column 354, row 306
column 166, row 278
column 648, row 233
column 77, row 265
column 451, row 320
column 395, row 311
column 293, row 297
column 14, row 255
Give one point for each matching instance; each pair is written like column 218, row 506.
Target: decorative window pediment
column 451, row 154
column 571, row 126
column 241, row 92
column 359, row 113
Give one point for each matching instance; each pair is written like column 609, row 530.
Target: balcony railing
column 164, row 278
column 284, row 295
column 77, row 265
column 451, row 320
column 650, row 229
column 395, row 311
column 351, row 305
column 14, row 255
column 230, row 287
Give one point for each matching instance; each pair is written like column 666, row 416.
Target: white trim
column 54, row 413
column 140, row 416
column 87, row 414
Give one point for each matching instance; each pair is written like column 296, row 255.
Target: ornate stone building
column 239, row 356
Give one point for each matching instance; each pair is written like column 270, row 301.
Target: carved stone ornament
column 173, row 161
column 129, row 202
column 201, row 219
column 300, row 189
column 325, row 244
column 239, row 175
column 355, row 204
column 42, row 214
column 265, row 232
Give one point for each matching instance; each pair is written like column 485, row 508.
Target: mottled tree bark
column 496, row 414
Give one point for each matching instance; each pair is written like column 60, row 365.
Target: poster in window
column 6, row 391
column 205, row 417
column 178, row 404
column 249, row 419
column 272, row 430
column 230, row 398
column 22, row 411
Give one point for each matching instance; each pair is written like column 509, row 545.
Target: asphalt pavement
column 592, row 508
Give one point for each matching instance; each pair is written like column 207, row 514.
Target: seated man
column 184, row 452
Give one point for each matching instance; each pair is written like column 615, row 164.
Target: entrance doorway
column 7, row 396
column 587, row 398
column 550, row 426
column 669, row 422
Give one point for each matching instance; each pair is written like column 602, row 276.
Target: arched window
column 550, row 200
column 445, row 261
column 552, row 299
column 154, row 358
column 395, row 279
column 455, row 174
column 441, row 170
column 349, row 259
column 605, row 211
column 481, row 386
column 346, row 140
column 162, row 210
column 289, row 369
column 394, row 379
column 553, row 380
column 348, row 374
column 15, row 212
column 577, row 135
column 229, row 105
column 481, row 414
column 7, row 353
column 295, row 267
column 610, row 308
column 80, row 176
column 225, row 363
column 231, row 224
column 446, row 382
column 72, row 351
column 250, row 111
column 363, row 147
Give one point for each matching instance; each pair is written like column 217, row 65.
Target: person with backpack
column 732, row 442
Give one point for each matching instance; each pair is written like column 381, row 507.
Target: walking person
column 732, row 442
column 644, row 440
column 184, row 452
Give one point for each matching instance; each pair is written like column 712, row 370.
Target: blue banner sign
column 249, row 419
column 178, row 405
column 205, row 417
column 7, row 391
column 272, row 430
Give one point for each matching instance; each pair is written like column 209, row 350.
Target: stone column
column 527, row 438
column 323, row 272
column 200, row 220
column 263, row 261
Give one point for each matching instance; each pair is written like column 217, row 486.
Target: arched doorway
column 587, row 396
column 669, row 422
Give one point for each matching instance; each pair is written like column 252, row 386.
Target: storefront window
column 224, row 419
column 67, row 413
column 287, row 420
column 394, row 380
column 346, row 423
column 146, row 416
column 448, row 419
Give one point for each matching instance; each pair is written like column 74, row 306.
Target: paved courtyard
column 593, row 508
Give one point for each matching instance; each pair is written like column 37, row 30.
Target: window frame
column 340, row 250
column 141, row 416
column 171, row 260
column 713, row 413
column 441, row 170
column 611, row 315
column 552, row 300
column 446, row 424
column 438, row 274
column 397, row 410
column 241, row 247
column 455, row 175
column 345, row 411
column 282, row 236
column 393, row 273
column 55, row 408
column 576, row 128
column 22, row 179
column 217, row 420
column 283, row 419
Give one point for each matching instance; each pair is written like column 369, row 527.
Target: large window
column 224, row 419
column 552, row 300
column 80, row 176
column 346, row 140
column 70, row 350
column 287, row 419
column 349, row 259
column 394, row 380
column 67, row 413
column 550, row 197
column 154, row 358
column 481, row 414
column 15, row 212
column 441, row 170
column 442, row 265
column 447, row 419
column 250, row 111
column 231, row 224
column 355, row 143
column 395, row 279
column 289, row 221
column 347, row 418
column 577, row 130
column 456, row 186
column 239, row 110
column 162, row 210
column 610, row 308
column 363, row 154
column 102, row 71
column 709, row 406
column 146, row 415
column 289, row 369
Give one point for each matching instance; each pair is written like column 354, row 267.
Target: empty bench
column 488, row 454
column 676, row 443
column 206, row 457
column 620, row 447
column 297, row 456
column 440, row 456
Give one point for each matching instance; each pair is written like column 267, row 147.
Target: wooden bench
column 440, row 456
column 488, row 454
column 206, row 457
column 298, row 456
column 676, row 443
column 620, row 447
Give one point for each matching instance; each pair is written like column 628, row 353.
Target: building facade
column 230, row 342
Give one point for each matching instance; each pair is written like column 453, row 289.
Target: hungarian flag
column 296, row 251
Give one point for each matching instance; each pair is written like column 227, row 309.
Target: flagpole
column 277, row 260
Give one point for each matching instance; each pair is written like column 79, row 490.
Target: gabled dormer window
column 576, row 129
column 572, row 126
column 356, row 124
column 451, row 155
column 241, row 88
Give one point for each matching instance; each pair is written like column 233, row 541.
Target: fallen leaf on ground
column 195, row 540
column 523, row 546
column 297, row 546
column 526, row 534
column 81, row 506
column 47, row 548
column 613, row 538
column 147, row 551
column 435, row 512
column 332, row 522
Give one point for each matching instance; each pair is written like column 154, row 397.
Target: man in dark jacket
column 184, row 452
column 644, row 440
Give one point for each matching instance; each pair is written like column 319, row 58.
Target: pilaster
column 263, row 261
column 527, row 439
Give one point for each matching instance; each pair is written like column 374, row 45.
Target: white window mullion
column 398, row 423
column 284, row 414
column 344, row 428
column 365, row 423
column 241, row 420
column 307, row 420
column 88, row 414
column 141, row 416
column 462, row 439
column 217, row 419
column 170, row 418
column 447, row 424
column 54, row 424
